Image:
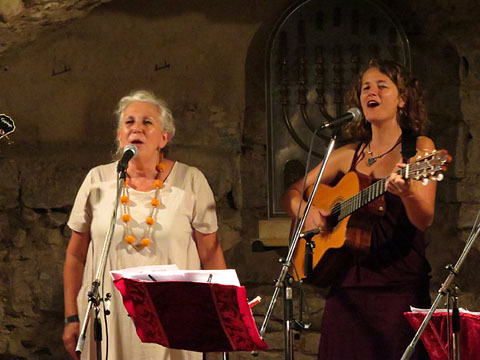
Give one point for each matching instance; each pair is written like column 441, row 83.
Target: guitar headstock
column 7, row 126
column 430, row 166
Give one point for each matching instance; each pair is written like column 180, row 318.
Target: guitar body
column 354, row 204
column 333, row 247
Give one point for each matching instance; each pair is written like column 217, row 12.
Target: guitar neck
column 364, row 197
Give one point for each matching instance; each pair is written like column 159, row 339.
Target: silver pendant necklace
column 373, row 159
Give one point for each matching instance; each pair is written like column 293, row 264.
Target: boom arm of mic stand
column 93, row 295
column 441, row 293
column 293, row 243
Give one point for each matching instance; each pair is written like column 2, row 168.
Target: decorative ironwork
column 315, row 51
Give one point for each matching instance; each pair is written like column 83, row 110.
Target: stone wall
column 61, row 83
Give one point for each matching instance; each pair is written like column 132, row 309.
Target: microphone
column 310, row 233
column 352, row 114
column 129, row 152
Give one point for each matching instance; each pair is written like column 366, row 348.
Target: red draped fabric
column 435, row 336
column 193, row 316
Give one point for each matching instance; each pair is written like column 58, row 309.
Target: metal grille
column 315, row 51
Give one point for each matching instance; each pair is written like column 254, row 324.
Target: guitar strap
column 409, row 144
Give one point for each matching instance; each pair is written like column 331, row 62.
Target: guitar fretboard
column 367, row 195
column 426, row 167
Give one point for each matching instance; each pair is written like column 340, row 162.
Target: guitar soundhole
column 333, row 220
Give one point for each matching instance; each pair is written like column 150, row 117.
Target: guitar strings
column 345, row 208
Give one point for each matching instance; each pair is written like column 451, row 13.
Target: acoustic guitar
column 344, row 231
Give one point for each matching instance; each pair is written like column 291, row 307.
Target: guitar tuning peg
column 424, row 181
column 439, row 177
column 434, row 151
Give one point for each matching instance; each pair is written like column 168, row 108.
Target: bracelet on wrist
column 71, row 319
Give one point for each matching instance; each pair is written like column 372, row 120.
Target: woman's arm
column 290, row 201
column 209, row 251
column 72, row 281
column 418, row 199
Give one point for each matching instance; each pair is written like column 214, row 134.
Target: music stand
column 437, row 333
column 186, row 315
column 445, row 289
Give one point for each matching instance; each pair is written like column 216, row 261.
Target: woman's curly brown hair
column 412, row 116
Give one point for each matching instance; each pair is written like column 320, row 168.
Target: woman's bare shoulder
column 346, row 150
column 424, row 143
column 343, row 156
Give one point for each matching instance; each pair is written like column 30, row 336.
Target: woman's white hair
column 166, row 117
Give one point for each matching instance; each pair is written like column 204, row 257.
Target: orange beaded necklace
column 126, row 216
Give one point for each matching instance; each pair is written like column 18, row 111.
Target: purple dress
column 363, row 316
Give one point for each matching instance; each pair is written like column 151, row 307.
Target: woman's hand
column 418, row 199
column 397, row 185
column 316, row 219
column 71, row 333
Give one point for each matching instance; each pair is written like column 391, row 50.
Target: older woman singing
column 166, row 216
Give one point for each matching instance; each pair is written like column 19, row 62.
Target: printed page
column 172, row 273
column 141, row 272
column 461, row 310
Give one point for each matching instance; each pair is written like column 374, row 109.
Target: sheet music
column 172, row 273
column 461, row 310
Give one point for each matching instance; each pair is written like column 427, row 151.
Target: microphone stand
column 94, row 299
column 455, row 326
column 281, row 282
column 445, row 289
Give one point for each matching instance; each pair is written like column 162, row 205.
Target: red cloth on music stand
column 435, row 335
column 204, row 317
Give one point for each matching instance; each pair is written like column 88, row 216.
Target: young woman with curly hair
column 363, row 316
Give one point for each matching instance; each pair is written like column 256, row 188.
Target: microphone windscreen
column 356, row 113
column 131, row 147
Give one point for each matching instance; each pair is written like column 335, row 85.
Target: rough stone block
column 30, row 216
column 21, row 295
column 219, row 167
column 54, row 237
column 254, row 177
column 470, row 93
column 229, row 237
column 56, row 219
column 47, row 184
column 20, row 239
column 4, row 336
column 48, row 298
column 9, row 187
column 229, row 216
column 220, row 125
column 468, row 213
column 11, row 8
column 468, row 190
column 274, row 340
column 259, row 267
